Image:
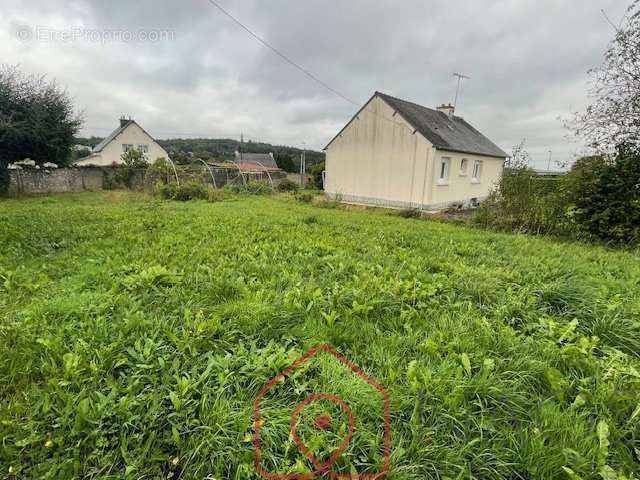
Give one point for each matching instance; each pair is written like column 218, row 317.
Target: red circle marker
column 322, row 467
column 322, row 422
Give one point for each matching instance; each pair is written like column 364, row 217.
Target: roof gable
column 453, row 134
column 113, row 135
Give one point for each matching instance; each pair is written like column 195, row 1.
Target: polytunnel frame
column 213, row 178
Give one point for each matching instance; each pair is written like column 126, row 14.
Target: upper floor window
column 143, row 148
column 443, row 177
column 464, row 166
column 126, row 147
column 477, row 170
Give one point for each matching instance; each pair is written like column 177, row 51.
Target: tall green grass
column 135, row 334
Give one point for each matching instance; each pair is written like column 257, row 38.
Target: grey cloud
column 527, row 59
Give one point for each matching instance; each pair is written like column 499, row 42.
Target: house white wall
column 131, row 135
column 462, row 186
column 379, row 160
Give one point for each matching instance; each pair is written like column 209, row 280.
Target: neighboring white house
column 128, row 136
column 400, row 154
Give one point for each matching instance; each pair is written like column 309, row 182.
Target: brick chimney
column 446, row 109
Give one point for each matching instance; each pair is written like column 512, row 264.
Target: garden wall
column 61, row 180
column 86, row 179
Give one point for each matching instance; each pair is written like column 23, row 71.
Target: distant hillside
column 182, row 150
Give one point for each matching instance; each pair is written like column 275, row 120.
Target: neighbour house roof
column 98, row 148
column 112, row 136
column 248, row 166
column 444, row 132
column 257, row 159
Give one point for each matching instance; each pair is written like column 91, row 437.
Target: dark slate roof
column 444, row 132
column 266, row 159
column 98, row 148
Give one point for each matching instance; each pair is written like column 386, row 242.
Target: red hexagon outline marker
column 257, row 421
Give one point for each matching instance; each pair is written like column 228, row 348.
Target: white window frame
column 476, row 176
column 126, row 147
column 143, row 147
column 443, row 171
column 464, row 167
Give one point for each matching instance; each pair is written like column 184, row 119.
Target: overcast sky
column 183, row 69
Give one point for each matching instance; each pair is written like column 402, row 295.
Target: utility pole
column 241, row 145
column 460, row 78
column 302, row 164
column 549, row 163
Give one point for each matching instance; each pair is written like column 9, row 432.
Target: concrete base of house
column 401, row 205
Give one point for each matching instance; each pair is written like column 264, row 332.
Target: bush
column 604, row 196
column 250, row 188
column 525, row 202
column 409, row 213
column 184, row 192
column 287, row 185
column 316, row 175
column 598, row 199
column 305, row 197
column 38, row 119
column 4, row 178
column 216, row 195
column 161, row 170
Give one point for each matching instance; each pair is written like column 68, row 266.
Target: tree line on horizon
column 184, row 150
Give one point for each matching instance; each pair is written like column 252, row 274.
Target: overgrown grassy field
column 135, row 335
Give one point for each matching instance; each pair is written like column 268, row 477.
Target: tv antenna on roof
column 460, row 78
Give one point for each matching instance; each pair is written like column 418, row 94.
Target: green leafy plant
column 136, row 334
column 286, row 185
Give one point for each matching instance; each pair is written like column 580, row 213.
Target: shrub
column 184, row 192
column 287, row 185
column 4, row 178
column 604, row 196
column 316, row 175
column 305, row 197
column 526, row 202
column 250, row 188
column 409, row 213
column 161, row 170
column 216, row 195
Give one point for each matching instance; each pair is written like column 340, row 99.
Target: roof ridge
column 418, row 105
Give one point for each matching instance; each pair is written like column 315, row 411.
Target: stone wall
column 87, row 179
column 60, row 180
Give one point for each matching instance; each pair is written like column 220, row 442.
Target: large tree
column 613, row 118
column 37, row 119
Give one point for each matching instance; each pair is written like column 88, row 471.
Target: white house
column 128, row 136
column 400, row 154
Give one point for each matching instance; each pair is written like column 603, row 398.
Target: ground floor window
column 477, row 170
column 464, row 164
column 444, row 170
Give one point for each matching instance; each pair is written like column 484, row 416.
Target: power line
column 282, row 55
